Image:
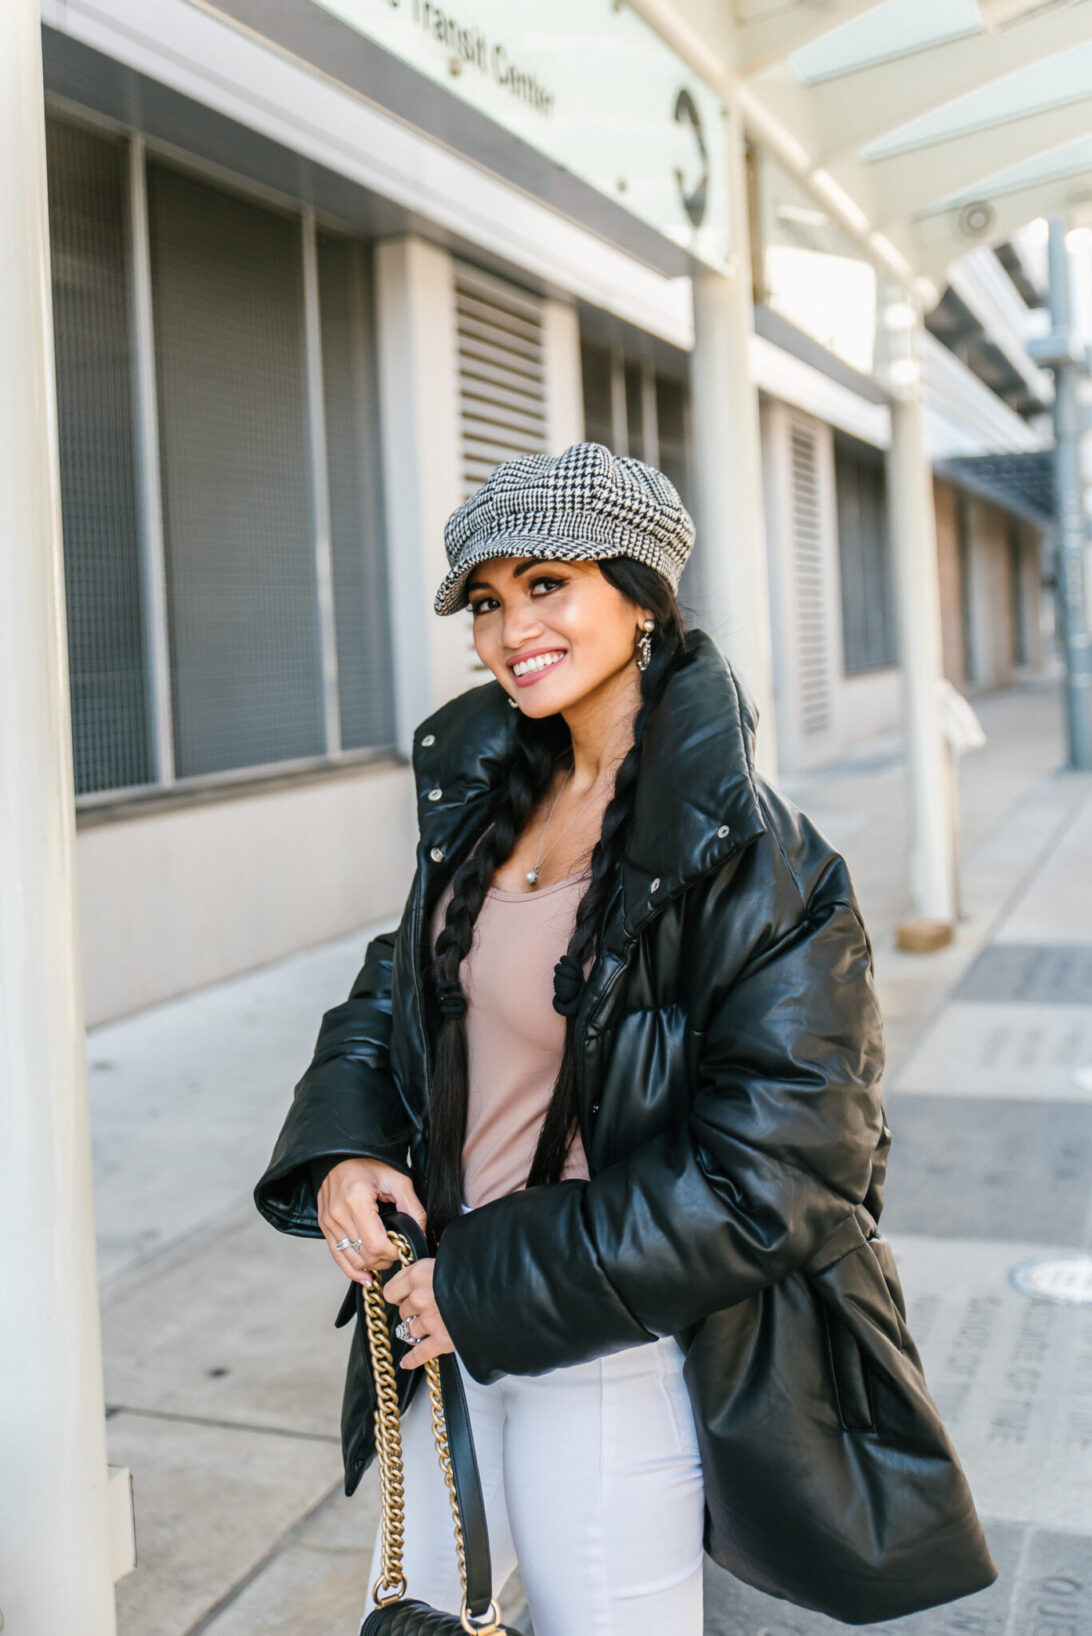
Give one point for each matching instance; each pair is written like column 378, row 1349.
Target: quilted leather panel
column 416, row 1619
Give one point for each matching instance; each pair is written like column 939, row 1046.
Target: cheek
column 485, row 642
column 602, row 645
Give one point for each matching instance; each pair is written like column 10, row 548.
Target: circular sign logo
column 694, row 198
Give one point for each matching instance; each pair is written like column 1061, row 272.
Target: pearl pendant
column 532, row 876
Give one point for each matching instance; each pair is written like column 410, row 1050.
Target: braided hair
column 541, row 747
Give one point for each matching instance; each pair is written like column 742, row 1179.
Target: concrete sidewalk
column 223, row 1370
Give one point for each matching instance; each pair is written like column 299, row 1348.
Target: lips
column 530, row 667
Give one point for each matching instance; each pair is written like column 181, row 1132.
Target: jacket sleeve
column 347, row 1103
column 775, row 1153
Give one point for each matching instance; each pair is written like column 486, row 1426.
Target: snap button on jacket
column 729, row 1050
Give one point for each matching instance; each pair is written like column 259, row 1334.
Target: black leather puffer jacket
column 729, row 1053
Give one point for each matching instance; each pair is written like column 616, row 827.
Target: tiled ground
column 991, row 1169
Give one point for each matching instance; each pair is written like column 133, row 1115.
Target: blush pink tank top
column 514, row 1036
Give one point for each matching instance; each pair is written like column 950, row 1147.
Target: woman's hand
column 411, row 1291
column 347, row 1208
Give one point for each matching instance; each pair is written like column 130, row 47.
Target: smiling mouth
column 535, row 666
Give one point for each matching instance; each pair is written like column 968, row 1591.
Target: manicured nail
column 366, row 1279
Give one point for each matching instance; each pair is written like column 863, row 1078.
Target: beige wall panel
column 175, row 899
column 945, row 502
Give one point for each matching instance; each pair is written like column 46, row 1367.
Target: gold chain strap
column 391, row 1584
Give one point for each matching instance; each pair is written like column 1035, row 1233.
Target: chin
column 543, row 707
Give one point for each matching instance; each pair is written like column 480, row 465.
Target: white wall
column 171, row 900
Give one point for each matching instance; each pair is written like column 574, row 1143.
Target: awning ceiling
column 928, row 126
column 1023, row 483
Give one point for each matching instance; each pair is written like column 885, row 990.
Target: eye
column 550, row 581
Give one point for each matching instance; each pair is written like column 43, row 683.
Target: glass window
column 672, row 430
column 656, row 415
column 864, row 551
column 598, row 393
column 812, row 272
column 635, row 409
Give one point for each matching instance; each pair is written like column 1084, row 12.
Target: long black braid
column 541, row 747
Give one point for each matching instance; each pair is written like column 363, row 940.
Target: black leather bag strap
column 460, row 1438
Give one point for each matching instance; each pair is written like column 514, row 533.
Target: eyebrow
column 483, row 584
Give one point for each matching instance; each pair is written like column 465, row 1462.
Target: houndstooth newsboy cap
column 579, row 506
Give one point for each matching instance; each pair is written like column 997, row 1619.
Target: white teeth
column 541, row 662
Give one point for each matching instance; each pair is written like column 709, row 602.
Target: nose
column 521, row 623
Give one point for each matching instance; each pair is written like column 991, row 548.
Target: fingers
column 360, row 1221
column 399, row 1191
column 348, row 1210
column 416, row 1279
column 431, row 1347
column 354, row 1268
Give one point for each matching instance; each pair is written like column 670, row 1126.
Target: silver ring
column 402, row 1330
column 348, row 1244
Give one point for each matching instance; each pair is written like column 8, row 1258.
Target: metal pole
column 55, row 1568
column 731, row 544
column 1067, row 359
column 917, row 586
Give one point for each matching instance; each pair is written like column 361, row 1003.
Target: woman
column 622, row 1059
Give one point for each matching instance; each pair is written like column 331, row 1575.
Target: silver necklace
column 532, row 874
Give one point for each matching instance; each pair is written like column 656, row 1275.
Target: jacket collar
column 695, row 802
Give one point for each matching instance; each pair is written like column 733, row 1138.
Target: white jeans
column 592, row 1481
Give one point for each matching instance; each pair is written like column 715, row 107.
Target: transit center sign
column 585, row 82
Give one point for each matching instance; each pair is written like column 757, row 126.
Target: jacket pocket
column 848, row 1371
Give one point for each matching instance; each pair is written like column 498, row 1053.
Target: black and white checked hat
column 579, row 506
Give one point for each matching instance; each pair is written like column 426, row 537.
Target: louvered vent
column 502, row 373
column 807, row 564
column 502, row 381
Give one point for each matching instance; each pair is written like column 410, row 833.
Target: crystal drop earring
column 644, row 646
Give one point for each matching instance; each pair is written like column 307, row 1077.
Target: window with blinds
column 864, row 551
column 99, row 491
column 236, row 436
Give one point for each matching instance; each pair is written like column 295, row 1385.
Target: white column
column 564, row 377
column 730, row 553
column 419, row 415
column 1065, row 349
column 55, row 1565
column 917, row 593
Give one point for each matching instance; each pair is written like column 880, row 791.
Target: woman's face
column 556, row 635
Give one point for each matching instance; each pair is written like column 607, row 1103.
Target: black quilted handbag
column 393, row 1614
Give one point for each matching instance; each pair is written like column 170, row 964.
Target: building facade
column 303, row 303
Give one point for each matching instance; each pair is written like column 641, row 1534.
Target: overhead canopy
column 926, row 127
column 1023, row 483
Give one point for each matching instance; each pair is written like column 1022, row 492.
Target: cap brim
column 452, row 594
